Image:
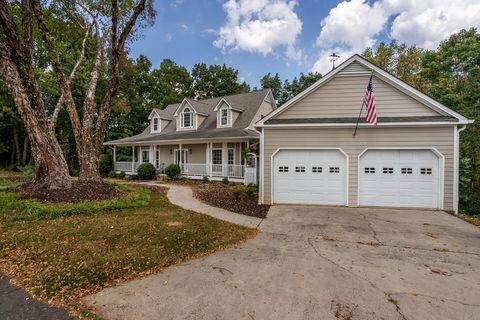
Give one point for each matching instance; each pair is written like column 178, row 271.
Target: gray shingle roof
column 248, row 103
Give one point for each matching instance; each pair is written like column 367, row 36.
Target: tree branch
column 89, row 102
column 27, row 29
column 61, row 100
column 118, row 45
column 55, row 61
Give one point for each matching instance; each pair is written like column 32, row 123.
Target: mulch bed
column 221, row 195
column 21, row 179
column 79, row 191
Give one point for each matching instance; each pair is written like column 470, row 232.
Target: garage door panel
column 407, row 186
column 316, row 185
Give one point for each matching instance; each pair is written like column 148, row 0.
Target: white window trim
column 159, row 125
column 192, row 120
column 229, row 116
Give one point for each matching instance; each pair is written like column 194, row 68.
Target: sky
column 293, row 36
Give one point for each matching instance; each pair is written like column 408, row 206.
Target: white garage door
column 400, row 178
column 309, row 177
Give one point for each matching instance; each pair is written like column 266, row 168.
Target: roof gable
column 358, row 67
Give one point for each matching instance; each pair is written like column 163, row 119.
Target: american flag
column 370, row 104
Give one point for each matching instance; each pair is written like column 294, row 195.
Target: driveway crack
column 371, row 228
column 373, row 285
column 433, row 297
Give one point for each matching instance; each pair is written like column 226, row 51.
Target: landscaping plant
column 146, row 171
column 172, row 171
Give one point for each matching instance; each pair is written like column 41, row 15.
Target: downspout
column 457, row 166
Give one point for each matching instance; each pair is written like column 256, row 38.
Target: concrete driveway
column 320, row 263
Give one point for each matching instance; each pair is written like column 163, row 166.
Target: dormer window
column 186, row 118
column 223, row 117
column 155, row 124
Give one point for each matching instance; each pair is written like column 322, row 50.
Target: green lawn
column 63, row 258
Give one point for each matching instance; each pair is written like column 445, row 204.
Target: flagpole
column 360, row 113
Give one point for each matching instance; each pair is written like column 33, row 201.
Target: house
column 204, row 137
column 308, row 154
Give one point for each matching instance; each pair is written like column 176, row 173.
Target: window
column 407, row 170
column 334, row 170
column 282, row 169
column 231, row 156
column 223, row 117
column 370, row 170
column 300, row 169
column 217, row 156
column 187, row 118
column 157, row 159
column 155, row 126
column 426, row 171
column 388, row 170
column 317, row 169
column 145, row 156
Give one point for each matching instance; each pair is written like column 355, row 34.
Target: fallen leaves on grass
column 64, row 259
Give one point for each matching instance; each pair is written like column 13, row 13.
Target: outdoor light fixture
column 190, row 150
column 171, row 151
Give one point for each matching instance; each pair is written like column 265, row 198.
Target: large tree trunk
column 51, row 170
column 89, row 161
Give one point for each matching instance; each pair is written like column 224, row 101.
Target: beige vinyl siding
column 342, row 96
column 440, row 138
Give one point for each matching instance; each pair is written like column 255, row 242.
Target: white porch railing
column 194, row 169
column 125, row 166
column 217, row 170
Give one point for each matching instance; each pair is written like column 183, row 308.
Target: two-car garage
column 389, row 178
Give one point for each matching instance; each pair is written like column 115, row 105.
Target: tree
column 451, row 74
column 172, row 83
column 284, row 91
column 400, row 60
column 17, row 66
column 274, row 83
column 216, row 81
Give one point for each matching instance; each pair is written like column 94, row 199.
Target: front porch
column 215, row 160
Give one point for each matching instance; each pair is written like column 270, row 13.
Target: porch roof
column 193, row 135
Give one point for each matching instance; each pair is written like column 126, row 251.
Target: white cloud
column 184, row 26
column 169, row 36
column 353, row 25
column 261, row 26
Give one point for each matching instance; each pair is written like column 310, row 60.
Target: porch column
column 150, row 154
column 210, row 165
column 114, row 157
column 207, row 158
column 180, row 157
column 154, row 156
column 133, row 159
column 224, row 158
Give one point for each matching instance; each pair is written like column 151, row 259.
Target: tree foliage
column 284, row 91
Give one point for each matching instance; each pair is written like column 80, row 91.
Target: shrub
column 225, row 180
column 106, row 164
column 206, row 179
column 250, row 189
column 146, row 171
column 131, row 177
column 231, row 183
column 172, row 171
column 237, row 192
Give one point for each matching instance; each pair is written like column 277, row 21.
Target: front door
column 217, row 161
column 181, row 158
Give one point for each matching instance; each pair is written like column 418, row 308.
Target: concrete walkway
column 182, row 196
